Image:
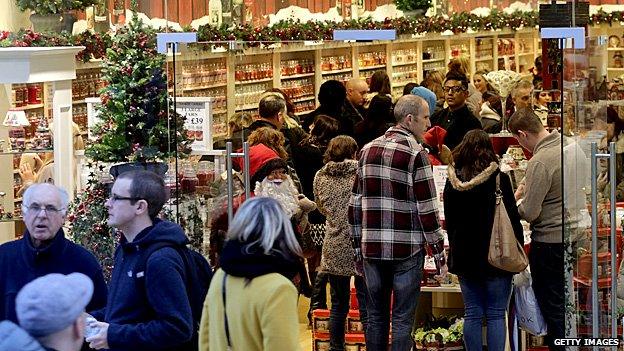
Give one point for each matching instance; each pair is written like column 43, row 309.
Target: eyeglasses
column 36, row 208
column 114, row 198
column 454, row 90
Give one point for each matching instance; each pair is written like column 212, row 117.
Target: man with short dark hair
column 148, row 309
column 393, row 214
column 541, row 205
column 522, row 95
column 456, row 119
column 44, row 249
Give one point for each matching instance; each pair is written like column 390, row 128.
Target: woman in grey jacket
column 332, row 190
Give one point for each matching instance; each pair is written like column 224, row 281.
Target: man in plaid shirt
column 392, row 213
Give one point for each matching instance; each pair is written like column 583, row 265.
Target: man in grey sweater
column 541, row 206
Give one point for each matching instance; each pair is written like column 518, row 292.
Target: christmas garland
column 290, row 30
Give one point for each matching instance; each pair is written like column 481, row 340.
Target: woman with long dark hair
column 470, row 193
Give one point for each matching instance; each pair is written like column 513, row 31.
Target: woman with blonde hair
column 252, row 303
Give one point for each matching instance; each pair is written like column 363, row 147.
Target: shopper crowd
column 347, row 191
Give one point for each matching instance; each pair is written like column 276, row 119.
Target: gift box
column 320, row 321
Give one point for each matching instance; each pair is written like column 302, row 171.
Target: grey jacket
column 14, row 338
column 541, row 204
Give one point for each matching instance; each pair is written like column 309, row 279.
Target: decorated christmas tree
column 138, row 122
column 88, row 216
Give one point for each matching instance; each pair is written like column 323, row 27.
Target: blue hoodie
column 159, row 316
column 14, row 338
column 21, row 263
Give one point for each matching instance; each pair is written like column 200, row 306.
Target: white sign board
column 439, row 178
column 198, row 114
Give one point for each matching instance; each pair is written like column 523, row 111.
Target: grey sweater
column 541, row 205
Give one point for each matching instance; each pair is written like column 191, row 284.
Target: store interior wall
column 11, row 18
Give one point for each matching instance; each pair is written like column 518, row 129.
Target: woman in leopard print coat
column 332, row 189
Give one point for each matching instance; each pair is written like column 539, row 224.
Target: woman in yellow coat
column 254, row 284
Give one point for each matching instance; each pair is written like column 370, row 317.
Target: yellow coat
column 262, row 314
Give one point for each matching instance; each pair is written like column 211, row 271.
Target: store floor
column 305, row 334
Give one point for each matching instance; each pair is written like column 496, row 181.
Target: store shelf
column 401, row 83
column 338, row 71
column 481, row 59
column 303, row 113
column 219, row 111
column 615, row 49
column 404, row 64
column 434, row 60
column 368, row 68
column 78, row 102
column 205, row 87
column 527, row 54
column 29, row 107
column 11, row 220
column 441, row 289
column 615, row 69
column 263, row 80
column 296, row 76
column 18, row 199
column 247, row 107
column 305, row 98
column 38, row 151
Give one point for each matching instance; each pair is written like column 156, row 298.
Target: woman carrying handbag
column 469, row 207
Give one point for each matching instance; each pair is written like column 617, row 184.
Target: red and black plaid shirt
column 393, row 208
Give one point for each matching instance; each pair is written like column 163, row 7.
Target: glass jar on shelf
column 189, row 180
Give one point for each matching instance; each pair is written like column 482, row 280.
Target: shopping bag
column 528, row 312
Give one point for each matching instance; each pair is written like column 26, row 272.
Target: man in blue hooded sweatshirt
column 150, row 309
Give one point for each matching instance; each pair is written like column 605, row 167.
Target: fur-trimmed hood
column 339, row 169
column 477, row 180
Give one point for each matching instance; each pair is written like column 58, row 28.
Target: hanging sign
column 198, row 114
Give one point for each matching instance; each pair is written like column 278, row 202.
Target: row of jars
column 203, row 74
column 459, row 50
column 434, row 52
column 304, row 106
column 506, row 46
column 79, row 113
column 333, row 63
column 483, row 48
column 293, row 67
column 368, row 59
column 404, row 56
column 249, row 94
column 26, row 94
column 218, row 95
column 253, row 72
column 87, row 84
column 298, row 88
column 343, row 77
column 401, row 74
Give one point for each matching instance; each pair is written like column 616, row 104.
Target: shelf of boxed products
column 88, row 83
column 404, row 57
column 344, row 77
column 27, row 96
column 336, row 64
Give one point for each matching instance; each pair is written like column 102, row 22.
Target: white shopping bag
column 527, row 310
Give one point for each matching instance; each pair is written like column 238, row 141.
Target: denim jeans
column 340, row 291
column 485, row 297
column 382, row 279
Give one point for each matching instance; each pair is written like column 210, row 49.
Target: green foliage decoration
column 48, row 7
column 411, row 5
column 137, row 118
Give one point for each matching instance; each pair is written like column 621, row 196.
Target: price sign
column 198, row 114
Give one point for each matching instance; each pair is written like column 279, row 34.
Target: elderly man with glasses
column 44, row 249
column 456, row 119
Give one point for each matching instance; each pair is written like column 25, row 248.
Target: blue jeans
column 382, row 279
column 485, row 297
column 340, row 290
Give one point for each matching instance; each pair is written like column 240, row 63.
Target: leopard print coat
column 332, row 189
